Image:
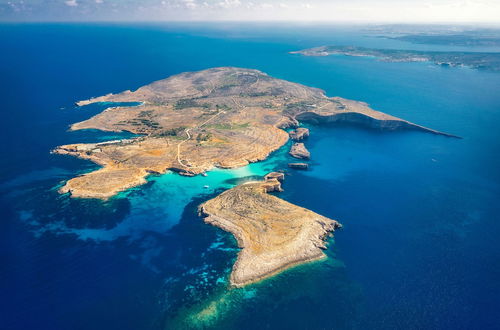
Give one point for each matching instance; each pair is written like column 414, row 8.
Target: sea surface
column 420, row 245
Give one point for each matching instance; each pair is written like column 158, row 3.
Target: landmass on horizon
column 474, row 60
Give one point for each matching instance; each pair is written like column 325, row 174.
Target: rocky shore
column 299, row 134
column 299, row 150
column 273, row 234
column 299, row 166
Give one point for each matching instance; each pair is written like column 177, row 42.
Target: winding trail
column 187, row 130
column 189, row 136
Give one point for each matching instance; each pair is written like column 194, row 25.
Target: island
column 475, row 60
column 273, row 234
column 189, row 123
column 299, row 150
column 466, row 38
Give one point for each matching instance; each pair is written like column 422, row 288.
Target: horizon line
column 308, row 22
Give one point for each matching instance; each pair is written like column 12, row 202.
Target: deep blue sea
column 420, row 245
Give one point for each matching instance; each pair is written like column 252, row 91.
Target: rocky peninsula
column 192, row 122
column 273, row 234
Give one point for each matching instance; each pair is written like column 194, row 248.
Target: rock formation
column 298, row 150
column 299, row 134
column 275, row 175
column 299, row 166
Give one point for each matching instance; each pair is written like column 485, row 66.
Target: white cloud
column 71, row 3
column 229, row 4
column 190, row 4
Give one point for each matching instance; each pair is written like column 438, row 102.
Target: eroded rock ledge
column 194, row 121
column 299, row 134
column 273, row 234
column 299, row 150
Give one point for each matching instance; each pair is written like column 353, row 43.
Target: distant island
column 439, row 34
column 474, row 60
column 450, row 39
column 223, row 117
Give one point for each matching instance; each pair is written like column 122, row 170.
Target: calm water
column 421, row 213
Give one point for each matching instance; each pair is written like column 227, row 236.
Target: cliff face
column 354, row 118
column 299, row 134
column 273, row 234
column 195, row 121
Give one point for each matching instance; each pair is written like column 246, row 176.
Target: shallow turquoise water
column 420, row 212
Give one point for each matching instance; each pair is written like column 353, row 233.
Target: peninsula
column 273, row 234
column 192, row 122
column 474, row 60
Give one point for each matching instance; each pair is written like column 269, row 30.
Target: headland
column 273, row 234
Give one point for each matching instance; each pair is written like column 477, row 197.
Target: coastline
column 273, row 235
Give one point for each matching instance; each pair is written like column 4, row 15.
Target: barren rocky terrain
column 272, row 233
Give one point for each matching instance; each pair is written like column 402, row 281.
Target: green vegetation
column 185, row 103
column 299, row 106
column 253, row 94
column 231, row 126
column 172, row 132
column 203, row 137
column 223, row 107
column 145, row 113
column 190, row 103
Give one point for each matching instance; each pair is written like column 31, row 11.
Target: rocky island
column 192, row 122
column 474, row 60
column 298, row 150
column 273, row 234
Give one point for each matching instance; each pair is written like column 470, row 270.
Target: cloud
column 229, row 4
column 190, row 4
column 71, row 3
column 338, row 11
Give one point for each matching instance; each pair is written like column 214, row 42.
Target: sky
column 333, row 11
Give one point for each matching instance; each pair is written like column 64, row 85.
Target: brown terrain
column 191, row 122
column 299, row 134
column 298, row 150
column 273, row 234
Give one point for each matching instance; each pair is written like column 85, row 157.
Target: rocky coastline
column 273, row 235
column 299, row 134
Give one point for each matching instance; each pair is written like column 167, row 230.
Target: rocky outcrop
column 299, row 166
column 298, row 150
column 365, row 120
column 273, row 234
column 299, row 134
column 280, row 176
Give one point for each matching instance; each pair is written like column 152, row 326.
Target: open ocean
column 420, row 245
